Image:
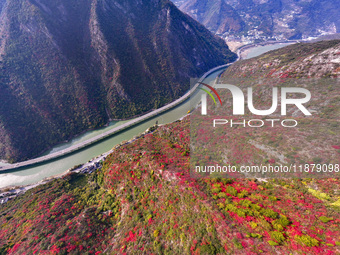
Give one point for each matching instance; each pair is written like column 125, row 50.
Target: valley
column 76, row 74
column 252, row 21
column 112, row 140
column 34, row 174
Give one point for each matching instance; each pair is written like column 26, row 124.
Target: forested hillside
column 69, row 66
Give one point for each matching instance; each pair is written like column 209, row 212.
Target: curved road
column 111, row 132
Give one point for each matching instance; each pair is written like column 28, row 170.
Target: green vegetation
column 277, row 236
column 307, row 240
column 144, row 200
column 325, row 219
column 64, row 72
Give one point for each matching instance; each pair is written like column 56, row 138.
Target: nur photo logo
column 265, row 127
column 239, row 101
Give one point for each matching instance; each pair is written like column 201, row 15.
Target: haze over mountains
column 251, row 20
column 67, row 66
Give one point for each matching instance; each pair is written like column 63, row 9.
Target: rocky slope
column 68, row 66
column 266, row 19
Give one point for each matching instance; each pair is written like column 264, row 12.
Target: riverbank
column 244, row 50
column 10, row 192
column 111, row 132
column 35, row 174
column 89, row 167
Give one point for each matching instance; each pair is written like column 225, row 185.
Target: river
column 258, row 50
column 35, row 174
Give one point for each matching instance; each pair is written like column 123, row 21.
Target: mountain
column 144, row 201
column 302, row 60
column 315, row 139
column 217, row 16
column 70, row 66
column 267, row 19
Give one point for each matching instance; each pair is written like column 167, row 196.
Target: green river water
column 35, row 174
